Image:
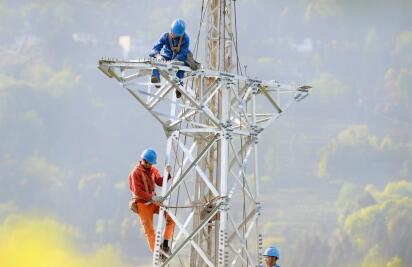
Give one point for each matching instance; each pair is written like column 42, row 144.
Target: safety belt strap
column 144, row 178
column 175, row 49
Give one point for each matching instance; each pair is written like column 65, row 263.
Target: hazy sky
column 336, row 168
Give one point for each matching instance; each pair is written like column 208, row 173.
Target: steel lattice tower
column 212, row 141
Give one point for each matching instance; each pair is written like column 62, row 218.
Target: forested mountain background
column 336, row 168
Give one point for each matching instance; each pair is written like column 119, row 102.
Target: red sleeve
column 159, row 179
column 137, row 186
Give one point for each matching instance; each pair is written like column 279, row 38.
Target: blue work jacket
column 163, row 48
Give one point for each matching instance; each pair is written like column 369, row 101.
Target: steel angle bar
column 151, row 95
column 213, row 92
column 162, row 114
column 146, row 107
column 261, row 114
column 235, row 185
column 185, row 224
column 200, row 130
column 251, row 216
column 239, row 113
column 245, row 146
column 241, row 132
column 160, row 222
column 159, row 95
column 240, row 182
column 183, row 115
column 136, row 83
column 247, row 189
column 266, row 119
column 134, row 76
column 149, row 64
column 210, row 90
column 235, row 115
column 193, row 243
column 132, row 66
column 104, row 67
column 285, row 91
column 181, row 166
column 183, row 106
column 198, row 124
column 237, row 255
column 246, row 236
column 242, row 88
column 191, row 166
column 205, row 110
column 242, row 174
column 241, row 163
column 246, row 95
column 257, row 184
column 251, row 225
column 185, row 160
column 199, row 171
column 242, row 240
column 190, row 90
column 236, row 100
column 194, row 232
column 271, row 100
column 270, row 121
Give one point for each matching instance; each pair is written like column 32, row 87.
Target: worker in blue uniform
column 173, row 45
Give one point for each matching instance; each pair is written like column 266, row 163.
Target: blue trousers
column 155, row 73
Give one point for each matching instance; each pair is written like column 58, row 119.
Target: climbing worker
column 173, row 45
column 145, row 202
column 270, row 256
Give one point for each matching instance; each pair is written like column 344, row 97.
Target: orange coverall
column 142, row 194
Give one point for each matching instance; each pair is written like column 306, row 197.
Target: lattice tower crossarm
column 230, row 203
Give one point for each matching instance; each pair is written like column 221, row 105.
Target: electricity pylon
column 212, row 141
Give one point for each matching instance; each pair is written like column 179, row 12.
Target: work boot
column 165, row 252
column 179, row 82
column 155, row 79
column 166, row 249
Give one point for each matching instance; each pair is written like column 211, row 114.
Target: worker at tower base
column 271, row 256
column 173, row 45
column 142, row 180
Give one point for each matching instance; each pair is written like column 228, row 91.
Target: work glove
column 133, row 206
column 158, row 57
column 169, row 169
column 157, row 199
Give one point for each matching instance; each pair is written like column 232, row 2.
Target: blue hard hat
column 271, row 252
column 149, row 155
column 178, row 27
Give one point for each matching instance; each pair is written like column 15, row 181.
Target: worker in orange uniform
column 145, row 203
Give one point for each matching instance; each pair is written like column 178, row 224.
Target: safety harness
column 190, row 61
column 132, row 203
column 175, row 49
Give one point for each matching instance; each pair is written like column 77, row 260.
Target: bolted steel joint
column 258, row 208
column 255, row 89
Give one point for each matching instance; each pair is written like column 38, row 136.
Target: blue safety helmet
column 149, row 155
column 178, row 27
column 271, row 252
